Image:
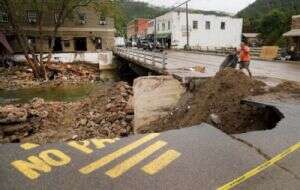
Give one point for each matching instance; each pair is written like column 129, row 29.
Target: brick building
column 137, row 28
column 87, row 31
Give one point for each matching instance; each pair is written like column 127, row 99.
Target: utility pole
column 187, row 21
column 155, row 31
column 187, row 26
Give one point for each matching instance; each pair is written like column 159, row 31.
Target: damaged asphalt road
column 200, row 156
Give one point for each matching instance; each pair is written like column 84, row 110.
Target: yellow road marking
column 28, row 146
column 161, row 162
column 107, row 159
column 82, row 146
column 260, row 168
column 43, row 163
column 132, row 161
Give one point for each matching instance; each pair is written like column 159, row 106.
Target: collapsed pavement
column 156, row 104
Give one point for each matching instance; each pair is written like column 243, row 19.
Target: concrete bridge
column 182, row 64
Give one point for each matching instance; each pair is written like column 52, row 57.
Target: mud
column 287, row 87
column 218, row 101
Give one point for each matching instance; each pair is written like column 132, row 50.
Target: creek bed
column 64, row 93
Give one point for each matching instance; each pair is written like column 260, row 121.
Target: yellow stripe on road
column 28, row 146
column 132, row 161
column 107, row 159
column 260, row 168
column 161, row 162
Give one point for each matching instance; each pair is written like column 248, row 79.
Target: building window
column 163, row 26
column 102, row 20
column 82, row 18
column 56, row 17
column 169, row 25
column 3, row 17
column 67, row 43
column 223, row 25
column 195, row 24
column 32, row 17
column 207, row 25
column 80, row 44
column 158, row 27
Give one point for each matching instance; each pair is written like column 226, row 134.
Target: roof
column 250, row 35
column 292, row 33
column 296, row 16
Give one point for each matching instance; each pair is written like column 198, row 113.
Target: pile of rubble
column 21, row 76
column 114, row 119
column 72, row 72
column 106, row 113
column 19, row 121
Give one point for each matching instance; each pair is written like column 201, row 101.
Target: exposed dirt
column 218, row 101
column 21, row 76
column 287, row 87
column 106, row 113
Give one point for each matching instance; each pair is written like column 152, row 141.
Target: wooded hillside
column 271, row 18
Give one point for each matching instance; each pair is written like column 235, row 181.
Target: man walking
column 245, row 58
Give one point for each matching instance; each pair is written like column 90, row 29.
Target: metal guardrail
column 255, row 51
column 142, row 56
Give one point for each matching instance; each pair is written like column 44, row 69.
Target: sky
column 231, row 6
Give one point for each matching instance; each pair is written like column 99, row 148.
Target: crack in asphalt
column 266, row 156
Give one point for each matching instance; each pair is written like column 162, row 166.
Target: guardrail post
column 144, row 56
column 164, row 61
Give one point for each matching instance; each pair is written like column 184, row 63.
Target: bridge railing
column 143, row 57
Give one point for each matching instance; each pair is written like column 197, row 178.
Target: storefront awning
column 164, row 35
column 292, row 33
column 4, row 42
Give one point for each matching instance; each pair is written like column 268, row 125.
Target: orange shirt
column 245, row 54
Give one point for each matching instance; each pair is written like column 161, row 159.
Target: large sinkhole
column 259, row 117
column 248, row 116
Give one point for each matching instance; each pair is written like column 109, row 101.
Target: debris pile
column 287, row 87
column 19, row 121
column 107, row 113
column 71, row 72
column 217, row 101
column 112, row 119
column 21, row 76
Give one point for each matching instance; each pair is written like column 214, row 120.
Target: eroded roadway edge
column 192, row 158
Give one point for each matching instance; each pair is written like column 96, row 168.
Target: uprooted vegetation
column 218, row 101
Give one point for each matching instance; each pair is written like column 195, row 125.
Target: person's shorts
column 244, row 64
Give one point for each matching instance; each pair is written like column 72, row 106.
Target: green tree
column 272, row 26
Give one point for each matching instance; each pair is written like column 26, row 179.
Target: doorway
column 80, row 44
column 57, row 45
column 98, row 43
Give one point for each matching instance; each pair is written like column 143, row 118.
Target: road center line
column 260, row 168
column 107, row 159
column 161, row 162
column 132, row 161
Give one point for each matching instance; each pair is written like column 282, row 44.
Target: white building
column 204, row 30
